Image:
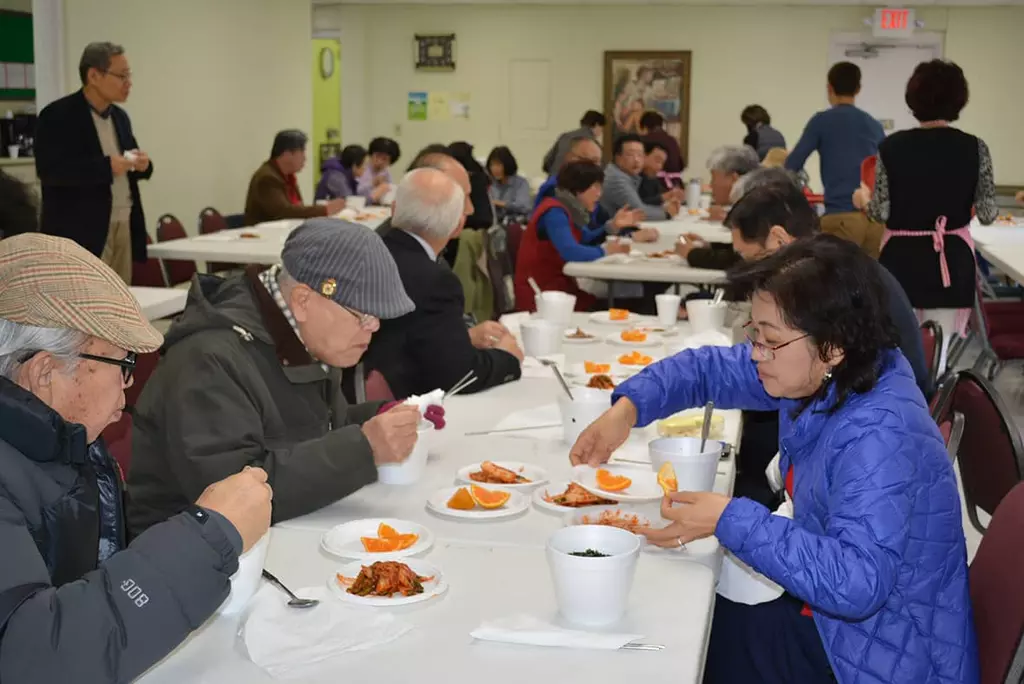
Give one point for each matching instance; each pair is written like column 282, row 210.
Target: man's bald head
column 444, row 162
column 583, row 149
column 429, row 202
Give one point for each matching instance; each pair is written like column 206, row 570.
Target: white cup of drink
column 541, row 337
column 695, row 469
column 587, row 405
column 592, row 591
column 246, row 580
column 356, row 202
column 704, row 316
column 668, row 308
column 556, row 307
column 13, row 151
column 411, row 469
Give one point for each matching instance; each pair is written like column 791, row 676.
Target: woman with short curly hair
column 928, row 180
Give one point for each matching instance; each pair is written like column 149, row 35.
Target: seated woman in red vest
column 558, row 233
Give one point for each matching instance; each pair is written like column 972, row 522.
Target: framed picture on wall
column 641, row 80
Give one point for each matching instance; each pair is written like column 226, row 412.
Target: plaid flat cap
column 52, row 282
column 349, row 264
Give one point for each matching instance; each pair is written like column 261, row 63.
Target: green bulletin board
column 15, row 48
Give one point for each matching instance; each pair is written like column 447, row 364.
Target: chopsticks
column 642, row 647
column 467, row 380
column 517, row 429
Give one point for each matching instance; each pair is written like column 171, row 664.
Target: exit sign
column 893, row 23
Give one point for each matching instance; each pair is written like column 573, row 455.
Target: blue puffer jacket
column 876, row 546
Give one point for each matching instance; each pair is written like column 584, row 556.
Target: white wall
column 776, row 56
column 214, row 80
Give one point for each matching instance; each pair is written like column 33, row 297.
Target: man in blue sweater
column 843, row 136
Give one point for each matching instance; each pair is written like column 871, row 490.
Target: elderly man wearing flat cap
column 78, row 604
column 250, row 375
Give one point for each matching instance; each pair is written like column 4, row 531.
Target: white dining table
column 493, row 569
column 160, row 302
column 259, row 244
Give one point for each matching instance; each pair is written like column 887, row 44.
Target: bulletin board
column 17, row 73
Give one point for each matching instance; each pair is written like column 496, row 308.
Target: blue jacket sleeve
column 519, row 202
column 724, row 375
column 850, row 570
column 555, row 224
column 807, row 144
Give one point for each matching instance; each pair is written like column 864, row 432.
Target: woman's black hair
column 504, row 156
column 352, row 156
column 18, row 210
column 385, row 146
column 937, row 91
column 591, row 119
column 463, row 153
column 651, row 145
column 772, row 199
column 755, row 114
column 830, row 289
column 576, row 177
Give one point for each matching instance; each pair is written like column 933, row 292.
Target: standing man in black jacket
column 431, row 347
column 90, row 166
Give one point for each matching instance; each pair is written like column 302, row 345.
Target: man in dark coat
column 90, row 166
column 77, row 602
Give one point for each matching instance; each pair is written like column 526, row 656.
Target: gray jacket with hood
column 236, row 387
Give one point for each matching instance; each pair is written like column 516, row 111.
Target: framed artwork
column 638, row 81
column 434, row 53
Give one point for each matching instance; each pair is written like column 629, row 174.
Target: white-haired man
column 431, row 348
column 77, row 603
column 251, row 375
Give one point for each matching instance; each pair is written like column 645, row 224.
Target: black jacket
column 76, row 176
column 430, row 347
column 79, row 605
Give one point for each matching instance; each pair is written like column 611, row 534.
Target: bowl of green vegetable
column 592, row 567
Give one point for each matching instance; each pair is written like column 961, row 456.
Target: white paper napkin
column 525, row 629
column 533, row 368
column 285, row 641
column 514, row 321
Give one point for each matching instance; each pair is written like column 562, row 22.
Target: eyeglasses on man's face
column 127, row 364
column 366, row 321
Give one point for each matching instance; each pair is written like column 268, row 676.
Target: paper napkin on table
column 514, row 321
column 533, row 368
column 284, row 641
column 525, row 629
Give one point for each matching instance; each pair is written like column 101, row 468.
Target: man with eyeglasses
column 78, row 603
column 251, row 372
column 90, row 165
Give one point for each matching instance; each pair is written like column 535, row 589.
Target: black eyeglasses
column 127, row 364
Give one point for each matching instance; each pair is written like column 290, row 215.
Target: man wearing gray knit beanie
column 251, row 372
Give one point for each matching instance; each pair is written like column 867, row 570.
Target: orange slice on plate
column 633, row 336
column 461, row 500
column 385, row 531
column 489, row 498
column 610, row 482
column 404, row 541
column 618, row 315
column 591, row 367
column 375, row 545
column 667, row 478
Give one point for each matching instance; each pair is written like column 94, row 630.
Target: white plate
column 578, row 340
column 344, row 540
column 554, row 489
column 653, row 340
column 590, row 514
column 535, row 474
column 643, row 488
column 434, row 587
column 691, row 551
column 602, row 317
column 438, row 503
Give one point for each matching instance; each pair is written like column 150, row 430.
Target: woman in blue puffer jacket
column 875, row 553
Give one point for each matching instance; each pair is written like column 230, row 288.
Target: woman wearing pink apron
column 927, row 182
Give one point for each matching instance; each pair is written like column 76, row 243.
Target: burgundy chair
column 1000, row 327
column 212, row 221
column 996, row 594
column 377, row 388
column 931, row 339
column 148, row 273
column 950, row 422
column 168, row 227
column 990, row 453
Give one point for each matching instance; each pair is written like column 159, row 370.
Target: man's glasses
column 127, row 364
column 123, row 77
column 366, row 321
column 767, row 351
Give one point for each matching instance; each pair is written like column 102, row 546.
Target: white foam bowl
column 695, row 469
column 411, row 469
column 587, row 405
column 703, row 316
column 357, row 202
column 592, row 591
column 556, row 307
column 541, row 337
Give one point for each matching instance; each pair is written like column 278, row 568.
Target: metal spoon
column 295, row 601
column 561, row 381
column 706, row 427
